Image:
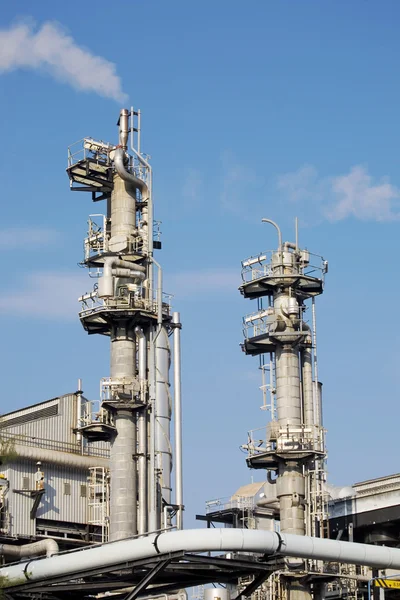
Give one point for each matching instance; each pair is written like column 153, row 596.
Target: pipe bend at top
column 129, row 177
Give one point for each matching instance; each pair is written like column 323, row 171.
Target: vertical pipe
column 178, row 420
column 308, row 393
column 142, row 434
column 152, row 476
column 317, row 411
column 163, row 415
column 79, row 412
column 297, row 233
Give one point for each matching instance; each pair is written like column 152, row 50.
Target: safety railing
column 89, row 148
column 60, row 446
column 279, row 439
column 260, row 265
column 228, row 503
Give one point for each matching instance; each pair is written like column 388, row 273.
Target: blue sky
column 267, row 108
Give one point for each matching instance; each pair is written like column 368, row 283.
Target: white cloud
column 192, row 283
column 46, row 295
column 27, row 238
column 52, row 50
column 354, row 194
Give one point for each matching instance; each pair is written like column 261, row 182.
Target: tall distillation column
column 135, row 409
column 293, row 451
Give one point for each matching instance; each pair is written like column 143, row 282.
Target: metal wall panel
column 33, row 426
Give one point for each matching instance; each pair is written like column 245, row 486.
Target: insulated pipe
column 199, row 540
column 59, row 458
column 308, row 392
column 115, row 265
column 79, row 393
column 178, row 420
column 129, row 177
column 163, row 415
column 48, row 547
column 142, row 434
column 123, row 127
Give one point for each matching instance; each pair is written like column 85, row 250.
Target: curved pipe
column 48, row 547
column 264, row 220
column 129, row 177
column 200, row 540
column 270, row 479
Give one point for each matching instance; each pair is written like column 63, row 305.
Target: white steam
column 52, row 50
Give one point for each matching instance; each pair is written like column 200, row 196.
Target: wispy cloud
column 52, row 50
column 354, row 194
column 191, row 187
column 46, row 295
column 23, row 238
column 192, row 283
column 239, row 184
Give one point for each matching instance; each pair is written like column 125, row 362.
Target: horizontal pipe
column 48, row 547
column 60, row 458
column 200, row 540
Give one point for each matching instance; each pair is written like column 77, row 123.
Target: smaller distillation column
column 163, row 416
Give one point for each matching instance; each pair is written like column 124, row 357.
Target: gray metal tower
column 292, row 447
column 126, row 305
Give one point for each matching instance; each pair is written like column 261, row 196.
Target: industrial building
column 53, row 484
column 96, row 479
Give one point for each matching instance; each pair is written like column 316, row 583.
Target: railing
column 279, row 439
column 260, row 265
column 91, row 303
column 60, row 446
column 227, row 503
column 88, row 148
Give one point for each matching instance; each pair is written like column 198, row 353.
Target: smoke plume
column 50, row 49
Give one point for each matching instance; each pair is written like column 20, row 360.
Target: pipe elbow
column 129, row 177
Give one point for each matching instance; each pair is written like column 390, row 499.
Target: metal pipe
column 112, row 263
column 142, row 434
column 79, row 412
column 317, row 408
column 129, row 177
column 123, row 127
column 163, row 417
column 200, row 540
column 178, row 420
column 48, row 547
column 308, row 391
column 296, row 226
column 264, row 220
column 59, row 458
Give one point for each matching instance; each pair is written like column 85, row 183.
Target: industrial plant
column 91, row 492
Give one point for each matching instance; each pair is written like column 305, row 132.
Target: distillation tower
column 126, row 305
column 293, row 449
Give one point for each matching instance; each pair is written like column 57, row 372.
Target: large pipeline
column 200, row 540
